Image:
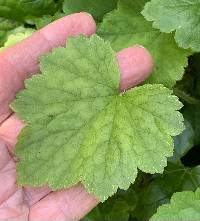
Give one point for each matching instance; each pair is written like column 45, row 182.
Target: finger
column 71, row 204
column 136, row 64
column 14, row 208
column 10, row 129
column 21, row 60
column 12, row 204
column 7, row 173
column 33, row 194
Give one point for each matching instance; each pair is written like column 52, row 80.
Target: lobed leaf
column 183, row 206
column 180, row 16
column 80, row 128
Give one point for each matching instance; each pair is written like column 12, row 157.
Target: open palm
column 18, row 63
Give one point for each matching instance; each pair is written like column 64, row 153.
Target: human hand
column 16, row 64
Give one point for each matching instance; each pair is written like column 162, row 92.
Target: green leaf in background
column 6, row 26
column 44, row 20
column 39, row 22
column 196, row 72
column 180, row 16
column 97, row 8
column 183, row 143
column 126, row 27
column 21, row 34
column 192, row 111
column 116, row 208
column 159, row 191
column 192, row 114
column 188, row 90
column 20, row 9
column 81, row 128
column 183, row 206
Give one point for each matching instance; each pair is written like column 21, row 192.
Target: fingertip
column 71, row 25
column 136, row 64
column 90, row 24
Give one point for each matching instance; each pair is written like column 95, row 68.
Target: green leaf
column 126, row 27
column 188, row 89
column 44, row 20
column 19, row 10
column 175, row 178
column 192, row 114
column 180, row 16
column 196, row 69
column 40, row 22
column 116, row 208
column 80, row 128
column 97, row 8
column 5, row 27
column 183, row 206
column 17, row 37
column 183, row 143
column 184, row 96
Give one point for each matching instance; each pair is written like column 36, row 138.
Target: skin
column 18, row 63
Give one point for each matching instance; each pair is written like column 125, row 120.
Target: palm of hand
column 18, row 203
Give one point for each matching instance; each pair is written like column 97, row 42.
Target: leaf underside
column 80, row 128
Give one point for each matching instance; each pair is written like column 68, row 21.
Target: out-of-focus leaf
column 40, row 22
column 126, row 27
column 192, row 114
column 175, row 178
column 183, row 206
column 196, row 67
column 116, row 208
column 5, row 27
column 183, row 143
column 180, row 16
column 98, row 8
column 20, row 9
column 16, row 36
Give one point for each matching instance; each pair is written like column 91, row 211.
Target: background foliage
column 122, row 23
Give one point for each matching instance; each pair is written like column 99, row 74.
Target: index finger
column 20, row 61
